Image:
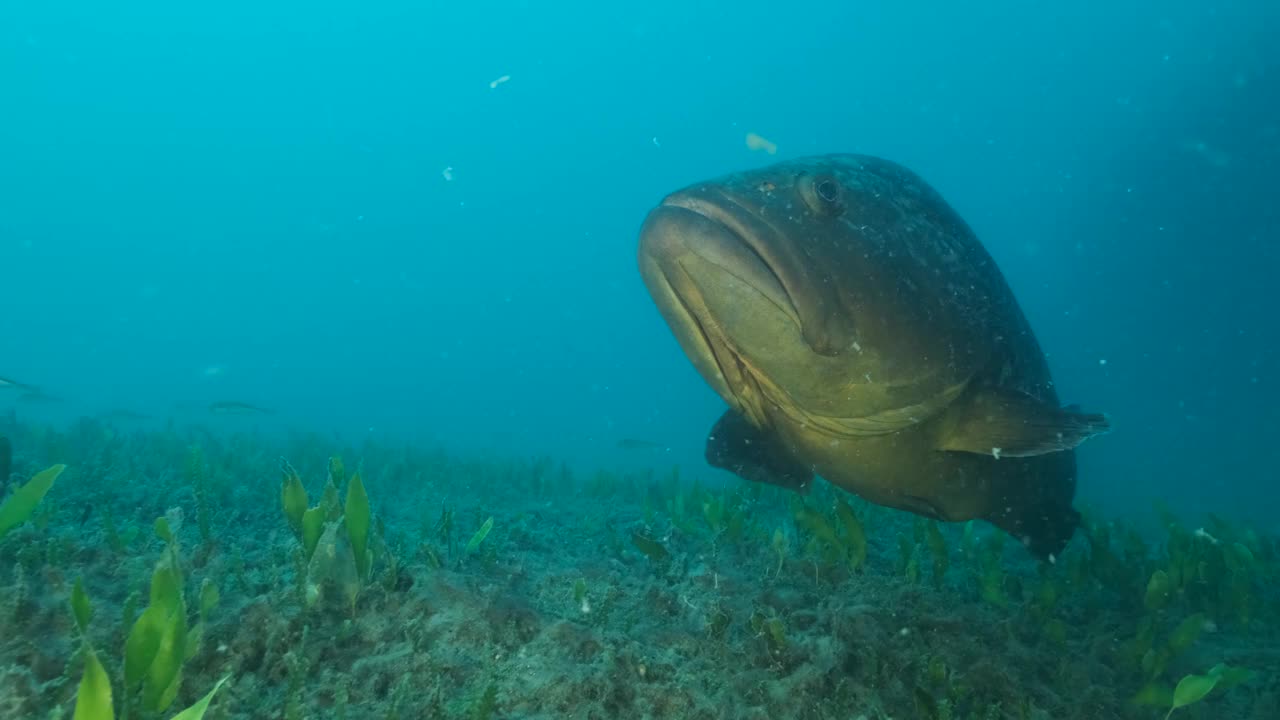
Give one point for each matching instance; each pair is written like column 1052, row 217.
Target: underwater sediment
column 316, row 581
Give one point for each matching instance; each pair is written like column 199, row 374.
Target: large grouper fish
column 860, row 332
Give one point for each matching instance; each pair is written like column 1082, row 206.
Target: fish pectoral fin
column 754, row 454
column 1008, row 423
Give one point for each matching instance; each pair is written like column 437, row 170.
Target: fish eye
column 822, row 194
column 828, row 190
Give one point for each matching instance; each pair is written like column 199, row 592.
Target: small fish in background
column 7, row 384
column 232, row 407
column 6, row 463
column 756, row 142
column 122, row 415
column 638, row 444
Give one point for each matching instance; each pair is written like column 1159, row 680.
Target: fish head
column 823, row 284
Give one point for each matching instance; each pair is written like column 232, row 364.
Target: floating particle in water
column 1207, row 153
column 656, row 143
column 1204, row 535
column 756, row 142
column 494, row 85
column 447, row 173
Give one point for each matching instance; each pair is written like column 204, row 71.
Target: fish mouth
column 679, row 240
column 731, row 237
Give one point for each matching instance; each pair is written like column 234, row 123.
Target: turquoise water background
column 418, row 220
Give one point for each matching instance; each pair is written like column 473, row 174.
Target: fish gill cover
column 342, row 376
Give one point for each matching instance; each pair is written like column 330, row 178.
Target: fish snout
column 693, row 238
column 670, row 232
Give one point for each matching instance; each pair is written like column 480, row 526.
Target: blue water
column 249, row 201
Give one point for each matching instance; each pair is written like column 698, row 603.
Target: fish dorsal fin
column 1008, row 423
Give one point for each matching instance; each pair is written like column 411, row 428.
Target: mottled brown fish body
column 904, row 470
column 858, row 329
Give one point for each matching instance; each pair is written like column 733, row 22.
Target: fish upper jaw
column 675, row 242
column 711, row 225
column 662, row 245
column 769, row 247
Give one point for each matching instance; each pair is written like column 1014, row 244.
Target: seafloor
column 594, row 595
